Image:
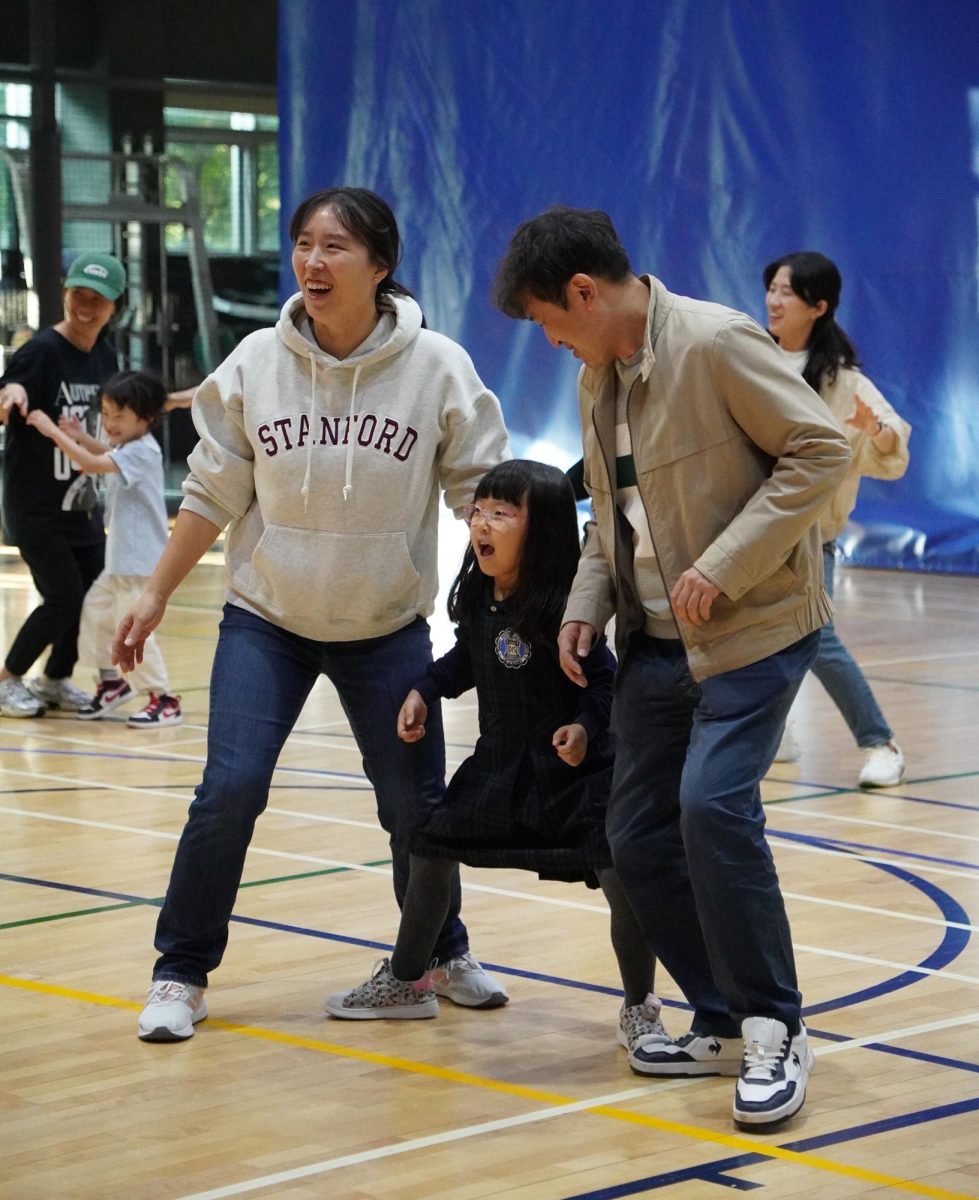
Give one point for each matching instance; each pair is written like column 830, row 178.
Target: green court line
column 157, row 901
column 79, row 912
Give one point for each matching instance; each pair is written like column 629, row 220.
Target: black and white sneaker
column 111, row 693
column 774, row 1073
column 693, row 1054
column 161, row 710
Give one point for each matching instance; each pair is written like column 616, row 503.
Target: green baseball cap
column 100, row 272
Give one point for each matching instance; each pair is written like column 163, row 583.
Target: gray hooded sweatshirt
column 327, row 471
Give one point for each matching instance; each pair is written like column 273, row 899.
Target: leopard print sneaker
column 639, row 1025
column 384, row 998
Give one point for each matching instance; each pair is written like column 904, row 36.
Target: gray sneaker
column 17, row 701
column 59, row 693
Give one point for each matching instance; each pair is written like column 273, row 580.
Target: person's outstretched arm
column 93, row 462
column 192, row 535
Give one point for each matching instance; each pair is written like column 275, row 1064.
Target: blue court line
column 867, row 848
column 827, row 790
column 717, row 1172
column 953, row 943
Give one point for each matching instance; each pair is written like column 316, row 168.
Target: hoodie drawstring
column 309, row 439
column 348, row 485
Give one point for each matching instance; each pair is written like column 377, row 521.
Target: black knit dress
column 513, row 802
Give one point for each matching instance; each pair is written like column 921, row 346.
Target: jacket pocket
column 333, row 579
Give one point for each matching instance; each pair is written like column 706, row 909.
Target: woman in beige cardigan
column 803, row 291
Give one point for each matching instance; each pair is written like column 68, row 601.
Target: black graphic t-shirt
column 42, row 489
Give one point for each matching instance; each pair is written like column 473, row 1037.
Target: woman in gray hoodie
column 324, row 445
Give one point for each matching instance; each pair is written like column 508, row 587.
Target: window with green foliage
column 234, row 158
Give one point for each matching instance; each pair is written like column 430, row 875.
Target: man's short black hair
column 547, row 250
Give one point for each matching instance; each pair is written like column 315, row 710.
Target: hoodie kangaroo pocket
column 333, row 581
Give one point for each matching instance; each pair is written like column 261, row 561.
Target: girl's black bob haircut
column 551, row 547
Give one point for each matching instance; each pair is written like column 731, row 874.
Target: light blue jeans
column 839, row 674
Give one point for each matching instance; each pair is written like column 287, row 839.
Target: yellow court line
column 447, row 1074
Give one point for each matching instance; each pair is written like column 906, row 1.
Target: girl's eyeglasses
column 495, row 516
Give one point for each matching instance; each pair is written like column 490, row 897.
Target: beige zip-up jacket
column 735, row 457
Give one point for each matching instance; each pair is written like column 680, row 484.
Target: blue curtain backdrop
column 719, row 134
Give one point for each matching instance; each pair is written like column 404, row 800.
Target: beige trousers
column 106, row 602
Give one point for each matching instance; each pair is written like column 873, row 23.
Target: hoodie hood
column 384, row 341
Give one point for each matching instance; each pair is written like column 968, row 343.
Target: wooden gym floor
column 531, row 1102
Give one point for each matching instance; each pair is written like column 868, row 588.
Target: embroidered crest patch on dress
column 511, row 649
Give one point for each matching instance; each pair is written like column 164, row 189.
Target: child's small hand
column 570, row 742
column 41, row 422
column 71, row 425
column 411, row 718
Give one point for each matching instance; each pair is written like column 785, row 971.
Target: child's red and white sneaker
column 161, row 710
column 111, row 693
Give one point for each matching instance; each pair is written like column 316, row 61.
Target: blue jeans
column 261, row 677
column 686, row 826
column 839, row 674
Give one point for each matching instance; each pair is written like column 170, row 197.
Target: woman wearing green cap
column 49, row 508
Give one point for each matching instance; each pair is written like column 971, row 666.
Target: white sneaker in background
column 883, row 766
column 16, row 700
column 59, row 693
column 789, row 749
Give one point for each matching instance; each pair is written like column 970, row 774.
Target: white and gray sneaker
column 692, row 1054
column 463, row 981
column 640, row 1024
column 774, row 1073
column 16, row 700
column 59, row 693
column 172, row 1010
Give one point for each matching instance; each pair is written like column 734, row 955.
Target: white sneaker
column 774, row 1074
column 789, row 749
column 59, row 693
column 463, row 981
column 692, row 1054
column 16, row 700
column 883, row 766
column 172, row 1010
column 640, row 1024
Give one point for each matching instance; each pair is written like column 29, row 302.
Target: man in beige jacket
column 708, row 461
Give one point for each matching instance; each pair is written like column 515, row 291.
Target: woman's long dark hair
column 369, row 219
column 815, row 277
column 551, row 547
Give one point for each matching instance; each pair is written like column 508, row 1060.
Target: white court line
column 454, row 1135
column 919, row 868
column 423, row 1143
column 866, row 959
column 897, row 1035
column 916, row 658
column 794, row 810
column 879, row 912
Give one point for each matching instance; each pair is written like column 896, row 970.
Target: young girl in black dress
column 534, row 791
